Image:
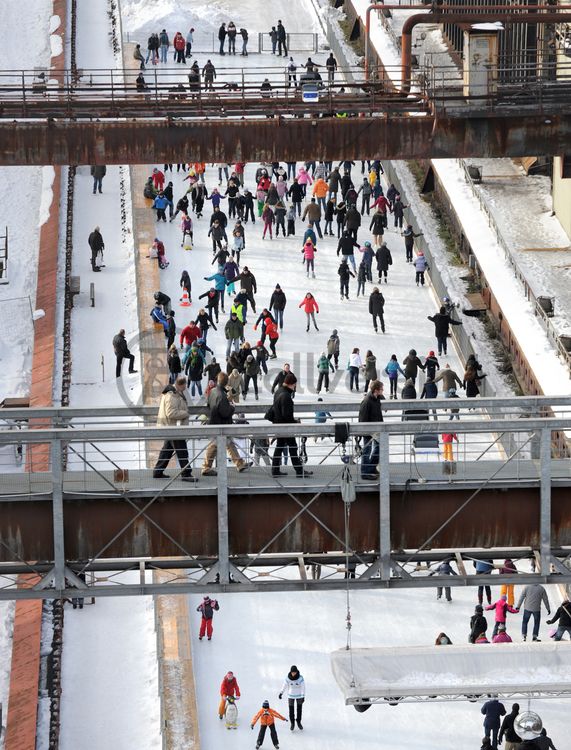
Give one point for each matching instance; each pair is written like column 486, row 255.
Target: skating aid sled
column 231, row 713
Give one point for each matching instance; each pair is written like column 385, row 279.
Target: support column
column 57, row 515
column 223, row 539
column 384, row 507
column 545, row 500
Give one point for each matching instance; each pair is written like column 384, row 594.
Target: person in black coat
column 345, row 183
column 277, row 304
column 122, row 352
column 478, row 623
column 507, row 728
column 408, row 391
column 280, row 377
column 345, row 274
column 411, row 364
column 352, row 221
column 170, row 329
column 370, row 411
column 341, row 213
column 282, row 45
column 295, row 192
column 283, row 414
column 95, row 242
column 442, row 322
column 377, row 308
column 384, row 260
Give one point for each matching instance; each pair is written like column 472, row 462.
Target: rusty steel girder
column 498, row 518
column 486, row 134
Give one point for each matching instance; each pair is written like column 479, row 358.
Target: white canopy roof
column 370, row 675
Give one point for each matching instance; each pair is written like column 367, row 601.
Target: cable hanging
column 348, row 496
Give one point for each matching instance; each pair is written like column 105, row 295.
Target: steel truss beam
column 238, row 586
column 384, row 568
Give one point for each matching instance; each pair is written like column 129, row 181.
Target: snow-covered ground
column 109, row 675
column 25, row 197
column 6, row 628
column 259, row 636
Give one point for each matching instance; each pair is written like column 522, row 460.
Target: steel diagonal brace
column 472, row 496
column 140, row 512
column 127, row 499
column 304, row 509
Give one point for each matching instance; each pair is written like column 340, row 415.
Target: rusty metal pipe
column 459, row 8
column 410, row 23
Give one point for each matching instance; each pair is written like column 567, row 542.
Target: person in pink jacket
column 310, row 306
column 281, row 187
column 309, row 251
column 502, row 636
column 502, row 608
column 304, row 179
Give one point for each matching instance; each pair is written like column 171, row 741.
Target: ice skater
column 267, row 717
column 207, row 609
column 294, row 685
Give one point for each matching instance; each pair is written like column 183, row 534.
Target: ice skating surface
column 259, row 636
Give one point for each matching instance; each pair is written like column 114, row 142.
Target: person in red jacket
column 266, row 715
column 207, row 609
column 179, row 44
column 229, row 687
column 189, row 334
column 310, row 307
column 273, row 334
column 502, row 608
column 158, row 179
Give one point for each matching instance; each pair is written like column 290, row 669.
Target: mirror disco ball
column 528, row 725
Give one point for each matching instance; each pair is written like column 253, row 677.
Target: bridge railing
column 206, row 44
column 102, row 447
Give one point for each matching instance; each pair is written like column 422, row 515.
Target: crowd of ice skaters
column 499, row 725
column 315, row 193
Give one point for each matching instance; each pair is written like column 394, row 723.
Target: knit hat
column 479, row 608
column 290, row 379
column 431, row 354
column 278, row 286
column 266, row 704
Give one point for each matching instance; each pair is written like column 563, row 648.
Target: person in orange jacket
column 447, row 439
column 266, row 715
column 320, row 190
column 229, row 687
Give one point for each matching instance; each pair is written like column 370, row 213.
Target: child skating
column 266, row 716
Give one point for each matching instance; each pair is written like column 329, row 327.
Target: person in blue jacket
column 444, row 569
column 392, row 370
column 219, row 280
column 160, row 204
column 493, row 710
column 484, row 567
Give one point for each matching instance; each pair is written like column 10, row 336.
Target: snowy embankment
column 25, row 197
column 109, row 675
column 110, row 671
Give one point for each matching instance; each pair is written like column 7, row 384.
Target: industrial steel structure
column 508, row 495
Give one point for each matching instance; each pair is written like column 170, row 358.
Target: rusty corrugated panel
column 502, row 518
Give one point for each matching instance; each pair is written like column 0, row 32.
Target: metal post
column 57, row 515
column 545, row 500
column 384, row 507
column 223, row 541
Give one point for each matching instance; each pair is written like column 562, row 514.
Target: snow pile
column 22, row 191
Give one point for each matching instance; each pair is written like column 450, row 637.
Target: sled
column 231, row 713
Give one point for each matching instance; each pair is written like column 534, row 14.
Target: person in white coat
column 294, row 686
